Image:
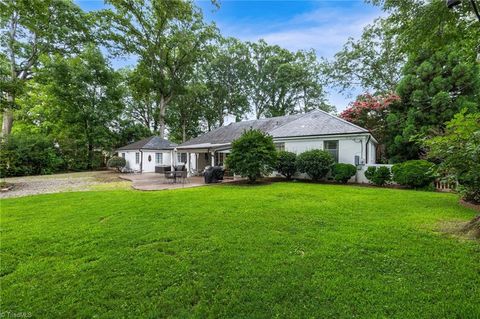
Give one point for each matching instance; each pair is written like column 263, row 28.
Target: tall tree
column 225, row 74
column 87, row 96
column 183, row 117
column 435, row 86
column 372, row 62
column 140, row 99
column 29, row 29
column 168, row 37
column 282, row 82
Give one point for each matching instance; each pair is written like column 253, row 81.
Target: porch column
column 213, row 158
column 172, row 158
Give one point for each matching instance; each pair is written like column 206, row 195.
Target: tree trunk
column 7, row 122
column 184, row 132
column 221, row 119
column 8, row 116
column 90, row 155
column 161, row 116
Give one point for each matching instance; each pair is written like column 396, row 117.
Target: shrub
column 370, row 173
column 315, row 163
column 415, row 174
column 29, row 154
column 286, row 163
column 253, row 155
column 458, row 151
column 378, row 175
column 343, row 172
column 116, row 162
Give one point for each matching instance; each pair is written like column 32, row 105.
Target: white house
column 144, row 155
column 347, row 142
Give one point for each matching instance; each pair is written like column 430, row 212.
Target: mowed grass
column 288, row 250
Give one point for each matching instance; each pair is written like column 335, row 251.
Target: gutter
column 319, row 136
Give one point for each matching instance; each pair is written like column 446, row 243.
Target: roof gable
column 150, row 143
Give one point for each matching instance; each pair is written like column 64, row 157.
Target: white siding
column 361, row 172
column 148, row 166
column 130, row 159
column 348, row 147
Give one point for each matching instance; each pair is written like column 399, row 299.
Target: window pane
column 182, row 157
column 137, row 158
column 280, row 146
column 159, row 158
column 332, row 148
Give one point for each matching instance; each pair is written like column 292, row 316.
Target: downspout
column 141, row 160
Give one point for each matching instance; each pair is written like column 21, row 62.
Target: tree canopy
column 418, row 61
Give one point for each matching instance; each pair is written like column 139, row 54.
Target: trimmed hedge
column 414, row 174
column 378, row 175
column 286, row 164
column 343, row 172
column 315, row 163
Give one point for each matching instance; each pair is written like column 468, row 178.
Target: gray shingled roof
column 150, row 143
column 312, row 123
column 228, row 133
column 316, row 123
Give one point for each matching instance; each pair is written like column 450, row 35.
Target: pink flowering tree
column 371, row 111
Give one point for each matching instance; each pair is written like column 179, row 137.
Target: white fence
column 444, row 186
column 360, row 177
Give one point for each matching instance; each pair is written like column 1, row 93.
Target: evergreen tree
column 436, row 85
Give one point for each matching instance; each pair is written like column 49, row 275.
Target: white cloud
column 325, row 29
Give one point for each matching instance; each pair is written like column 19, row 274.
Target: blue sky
column 322, row 25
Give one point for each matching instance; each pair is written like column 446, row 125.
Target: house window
column 123, row 155
column 181, row 157
column 137, row 158
column 159, row 158
column 280, row 146
column 332, row 148
column 149, row 158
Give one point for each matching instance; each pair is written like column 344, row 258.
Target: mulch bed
column 270, row 180
column 470, row 205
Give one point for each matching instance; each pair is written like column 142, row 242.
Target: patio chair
column 169, row 175
column 182, row 176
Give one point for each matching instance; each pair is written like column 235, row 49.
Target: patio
column 155, row 181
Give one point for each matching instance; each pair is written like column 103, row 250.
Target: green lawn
column 288, row 250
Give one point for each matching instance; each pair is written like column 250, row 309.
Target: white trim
column 328, row 136
column 145, row 149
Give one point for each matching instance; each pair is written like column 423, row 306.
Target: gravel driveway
column 82, row 181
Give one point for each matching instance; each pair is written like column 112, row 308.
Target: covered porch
column 198, row 156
